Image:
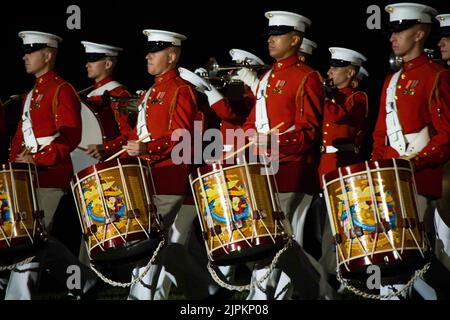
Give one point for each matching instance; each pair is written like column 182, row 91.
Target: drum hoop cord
column 18, row 264
column 257, row 283
column 363, row 294
column 137, row 279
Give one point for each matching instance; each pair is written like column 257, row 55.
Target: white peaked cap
column 410, row 11
column 91, row 47
column 362, row 73
column 352, row 56
column 37, row 37
column 444, row 20
column 240, row 56
column 284, row 18
column 307, row 46
column 165, row 36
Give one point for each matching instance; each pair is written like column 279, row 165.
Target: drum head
column 249, row 255
column 91, row 133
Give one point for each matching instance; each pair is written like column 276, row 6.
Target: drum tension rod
column 238, row 224
column 409, row 223
column 133, row 214
column 20, row 216
column 217, row 230
column 38, row 214
column 357, row 233
column 278, row 215
column 152, row 208
column 337, row 239
column 384, row 226
column 92, row 229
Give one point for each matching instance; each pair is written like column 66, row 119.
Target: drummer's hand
column 135, row 148
column 25, row 156
column 96, row 151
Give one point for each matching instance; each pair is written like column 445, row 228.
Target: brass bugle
column 128, row 104
column 13, row 98
column 213, row 66
column 124, row 99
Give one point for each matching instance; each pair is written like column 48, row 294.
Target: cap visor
column 155, row 46
column 30, row 48
column 339, row 63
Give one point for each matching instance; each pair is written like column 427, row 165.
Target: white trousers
column 23, row 281
column 297, row 273
column 175, row 265
column 441, row 250
column 59, row 261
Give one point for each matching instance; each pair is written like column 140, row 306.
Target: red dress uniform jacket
column 345, row 119
column 423, row 99
column 234, row 112
column 172, row 105
column 114, row 123
column 295, row 96
column 55, row 108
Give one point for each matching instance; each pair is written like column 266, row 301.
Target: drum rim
column 106, row 165
column 4, row 167
column 361, row 167
column 115, row 242
column 211, row 169
column 358, row 263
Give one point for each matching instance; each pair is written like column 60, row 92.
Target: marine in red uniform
column 229, row 108
column 306, row 50
column 422, row 95
column 444, row 42
column 415, row 102
column 49, row 130
column 53, row 124
column 345, row 112
column 169, row 106
column 290, row 92
column 101, row 62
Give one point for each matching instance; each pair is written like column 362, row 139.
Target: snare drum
column 374, row 216
column 21, row 220
column 239, row 212
column 116, row 210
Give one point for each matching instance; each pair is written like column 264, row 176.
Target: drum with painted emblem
column 21, row 220
column 117, row 214
column 374, row 217
column 239, row 212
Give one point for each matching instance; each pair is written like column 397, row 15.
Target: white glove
column 201, row 71
column 248, row 77
column 211, row 93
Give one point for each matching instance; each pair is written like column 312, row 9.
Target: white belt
column 45, row 141
column 417, row 141
column 340, row 148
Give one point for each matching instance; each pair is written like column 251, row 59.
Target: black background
column 212, row 28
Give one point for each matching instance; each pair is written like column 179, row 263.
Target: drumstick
column 145, row 136
column 252, row 142
column 82, row 149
